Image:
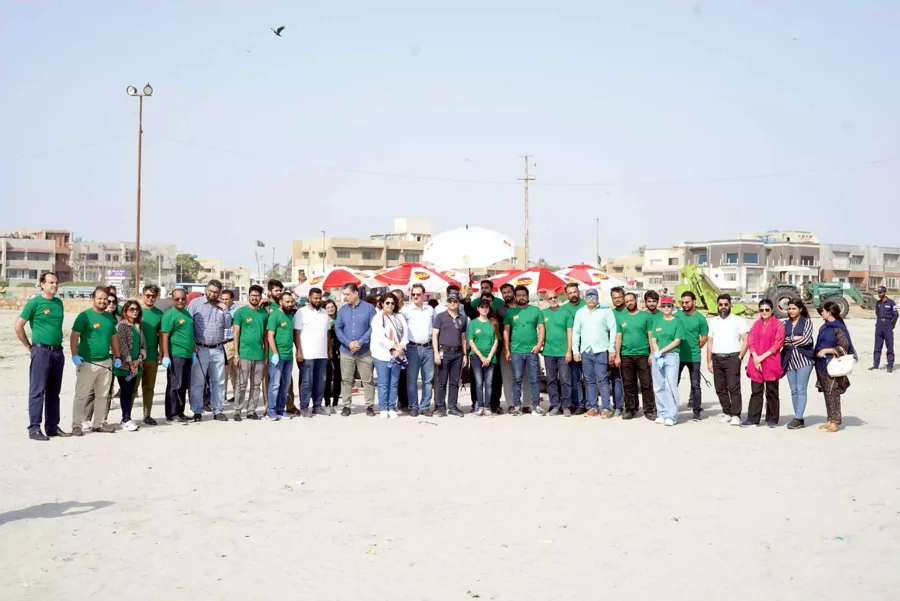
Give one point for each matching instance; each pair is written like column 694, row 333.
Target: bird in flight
column 278, row 31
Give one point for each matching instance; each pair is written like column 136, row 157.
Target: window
column 38, row 256
column 701, row 259
column 752, row 258
column 891, row 283
column 730, row 277
column 412, row 257
column 874, row 282
column 618, row 269
column 856, row 261
column 654, row 281
column 655, row 262
column 93, row 257
column 807, row 260
column 731, row 258
column 129, row 256
column 15, row 255
column 670, row 277
column 343, row 254
column 393, row 255
column 890, row 260
column 306, row 255
column 639, row 269
column 673, row 260
column 368, row 255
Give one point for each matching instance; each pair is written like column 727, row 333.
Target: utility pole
column 598, row 243
column 323, row 252
column 526, row 179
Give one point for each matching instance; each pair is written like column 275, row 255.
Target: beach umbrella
column 589, row 276
column 333, row 278
column 468, row 248
column 536, row 279
column 407, row 274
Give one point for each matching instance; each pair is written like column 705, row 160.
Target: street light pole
column 132, row 91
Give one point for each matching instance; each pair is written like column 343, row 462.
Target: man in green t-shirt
column 280, row 339
column 576, row 375
column 696, row 331
column 633, row 351
column 557, row 353
column 92, row 340
column 249, row 326
column 617, row 296
column 44, row 313
column 176, row 333
column 151, row 322
column 523, row 337
column 487, row 287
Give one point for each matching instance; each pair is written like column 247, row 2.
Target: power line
column 58, row 150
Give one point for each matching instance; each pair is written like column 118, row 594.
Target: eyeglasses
column 416, row 294
column 765, row 310
column 149, row 295
column 130, row 309
column 723, row 305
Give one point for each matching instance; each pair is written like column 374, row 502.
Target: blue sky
column 629, row 95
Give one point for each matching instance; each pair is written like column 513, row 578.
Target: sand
column 492, row 508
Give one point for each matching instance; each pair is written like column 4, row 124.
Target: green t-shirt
column 135, row 353
column 96, row 331
column 46, row 319
column 253, row 330
column 634, row 330
column 495, row 304
column 695, row 325
column 666, row 330
column 653, row 316
column 556, row 325
column 523, row 325
column 481, row 335
column 283, row 326
column 573, row 308
column 151, row 321
column 180, row 326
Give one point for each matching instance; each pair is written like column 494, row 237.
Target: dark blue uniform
column 885, row 320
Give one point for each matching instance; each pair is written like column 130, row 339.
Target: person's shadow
column 52, row 510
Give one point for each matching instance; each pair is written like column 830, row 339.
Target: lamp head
column 148, row 91
column 131, row 91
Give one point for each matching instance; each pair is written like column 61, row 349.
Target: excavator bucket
column 705, row 290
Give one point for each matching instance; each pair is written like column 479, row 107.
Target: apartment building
column 662, row 266
column 236, row 279
column 26, row 254
column 113, row 263
column 629, row 268
column 866, row 267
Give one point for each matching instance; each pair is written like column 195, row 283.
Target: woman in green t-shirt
column 132, row 350
column 483, row 337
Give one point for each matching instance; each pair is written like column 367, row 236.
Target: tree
column 543, row 263
column 186, row 268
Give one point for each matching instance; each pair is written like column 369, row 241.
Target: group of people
column 599, row 361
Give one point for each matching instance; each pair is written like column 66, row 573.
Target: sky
column 668, row 121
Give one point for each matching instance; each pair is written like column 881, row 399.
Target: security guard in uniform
column 885, row 320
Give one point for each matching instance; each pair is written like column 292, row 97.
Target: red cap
column 666, row 299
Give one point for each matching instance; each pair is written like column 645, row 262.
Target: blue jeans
column 421, row 358
column 44, row 382
column 799, row 380
column 559, row 383
column 388, row 374
column 312, row 382
column 596, row 373
column 279, row 382
column 522, row 363
column 618, row 390
column 483, row 377
column 665, row 386
column 210, row 364
column 575, row 375
column 693, row 368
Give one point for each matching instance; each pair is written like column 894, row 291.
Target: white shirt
column 725, row 334
column 419, row 322
column 313, row 327
column 386, row 330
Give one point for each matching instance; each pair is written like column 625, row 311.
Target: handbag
column 840, row 367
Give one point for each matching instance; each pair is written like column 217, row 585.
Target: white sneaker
column 393, row 415
column 669, row 421
column 86, row 426
column 486, row 412
column 384, row 415
column 660, row 420
column 724, row 419
column 130, row 426
column 735, row 420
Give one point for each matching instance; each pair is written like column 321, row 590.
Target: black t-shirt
column 450, row 329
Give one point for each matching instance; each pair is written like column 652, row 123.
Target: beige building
column 232, row 278
column 25, row 255
column 404, row 244
column 629, row 268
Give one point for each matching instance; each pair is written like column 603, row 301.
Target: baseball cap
column 882, row 289
column 666, row 300
column 484, row 303
column 453, row 296
column 591, row 292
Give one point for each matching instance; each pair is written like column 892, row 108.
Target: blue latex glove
column 194, row 358
column 77, row 360
column 657, row 355
column 128, row 378
column 117, row 363
column 166, row 362
column 274, row 359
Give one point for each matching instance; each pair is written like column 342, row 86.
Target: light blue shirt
column 594, row 331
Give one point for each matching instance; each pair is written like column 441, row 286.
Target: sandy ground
column 492, row 508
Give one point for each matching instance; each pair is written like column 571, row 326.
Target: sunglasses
column 765, row 310
column 667, row 305
column 416, row 294
column 386, row 303
column 724, row 306
column 130, row 309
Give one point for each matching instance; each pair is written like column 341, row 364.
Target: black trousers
column 333, row 381
column 448, row 381
column 178, row 380
column 402, row 392
column 727, row 378
column 497, row 390
column 635, row 369
column 693, row 368
column 773, row 407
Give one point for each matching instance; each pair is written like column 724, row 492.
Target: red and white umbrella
column 589, row 276
column 407, row 274
column 333, row 278
column 536, row 279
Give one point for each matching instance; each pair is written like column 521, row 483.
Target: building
column 236, row 279
column 113, row 263
column 662, row 266
column 866, row 267
column 404, row 244
column 210, row 269
column 629, row 268
column 25, row 255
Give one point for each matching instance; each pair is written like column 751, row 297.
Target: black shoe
column 526, row 409
column 37, row 435
column 198, row 417
column 253, row 415
column 628, row 415
column 796, row 424
column 873, row 368
column 697, row 416
column 650, row 416
column 428, row 413
column 442, row 413
column 149, row 421
column 221, row 417
column 59, row 434
column 414, row 412
column 76, row 431
column 580, row 411
column 370, row 411
column 455, row 412
column 207, row 408
column 497, row 411
column 237, row 417
column 345, row 411
column 890, row 369
column 183, row 418
column 231, row 400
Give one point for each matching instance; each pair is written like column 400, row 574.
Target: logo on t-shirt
column 46, row 311
column 478, row 330
column 181, row 321
column 624, row 324
column 515, row 317
column 96, row 324
column 546, row 319
column 249, row 320
column 659, row 329
column 283, row 323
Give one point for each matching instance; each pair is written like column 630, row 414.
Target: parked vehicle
column 705, row 290
column 817, row 294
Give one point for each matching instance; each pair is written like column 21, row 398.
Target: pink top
column 766, row 335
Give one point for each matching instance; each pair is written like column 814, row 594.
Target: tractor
column 816, row 294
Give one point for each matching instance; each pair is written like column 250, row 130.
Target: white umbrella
column 468, row 248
